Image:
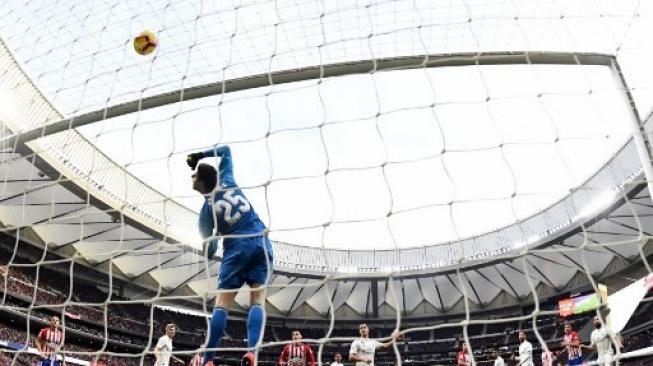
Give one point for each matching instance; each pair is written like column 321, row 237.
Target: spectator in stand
column 496, row 356
column 337, row 360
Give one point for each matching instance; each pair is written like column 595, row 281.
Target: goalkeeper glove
column 193, row 159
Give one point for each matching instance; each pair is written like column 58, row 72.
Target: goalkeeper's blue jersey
column 228, row 210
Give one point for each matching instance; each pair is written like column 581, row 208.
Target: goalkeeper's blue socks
column 254, row 325
column 218, row 323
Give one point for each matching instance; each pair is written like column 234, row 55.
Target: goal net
column 456, row 171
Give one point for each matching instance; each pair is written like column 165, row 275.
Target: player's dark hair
column 208, row 175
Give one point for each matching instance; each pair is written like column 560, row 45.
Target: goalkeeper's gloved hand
column 193, row 159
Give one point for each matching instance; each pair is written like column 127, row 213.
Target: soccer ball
column 145, row 43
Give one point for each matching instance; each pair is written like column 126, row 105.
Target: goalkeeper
column 247, row 253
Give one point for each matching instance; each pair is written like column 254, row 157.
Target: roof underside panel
column 172, row 278
column 285, row 297
column 449, row 294
column 150, row 257
column 412, row 294
column 480, row 289
column 319, row 301
column 61, row 234
column 558, row 274
column 358, row 300
column 429, row 291
column 100, row 251
column 497, row 280
column 25, row 215
column 311, row 288
column 518, row 279
column 343, row 291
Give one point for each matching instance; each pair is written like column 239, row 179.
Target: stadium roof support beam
column 315, row 72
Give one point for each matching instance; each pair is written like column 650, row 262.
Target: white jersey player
column 600, row 339
column 362, row 349
column 163, row 349
column 525, row 351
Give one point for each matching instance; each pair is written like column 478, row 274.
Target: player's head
column 171, row 329
column 364, row 330
column 338, row 357
column 567, row 328
column 597, row 322
column 205, row 178
column 296, row 336
column 54, row 321
column 521, row 336
column 495, row 353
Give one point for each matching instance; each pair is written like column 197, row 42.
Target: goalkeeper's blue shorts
column 49, row 362
column 244, row 261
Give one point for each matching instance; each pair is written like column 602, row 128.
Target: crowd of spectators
column 43, row 292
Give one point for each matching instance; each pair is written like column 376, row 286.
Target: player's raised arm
column 225, row 168
column 396, row 336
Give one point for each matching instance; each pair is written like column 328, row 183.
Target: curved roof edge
column 37, row 124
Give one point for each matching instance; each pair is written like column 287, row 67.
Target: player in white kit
column 163, row 349
column 362, row 349
column 600, row 339
column 525, row 351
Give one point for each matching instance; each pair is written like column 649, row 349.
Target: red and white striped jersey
column 463, row 357
column 297, row 355
column 196, row 360
column 572, row 352
column 51, row 340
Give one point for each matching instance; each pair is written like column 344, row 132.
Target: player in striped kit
column 297, row 353
column 196, row 360
column 49, row 342
column 571, row 344
column 463, row 358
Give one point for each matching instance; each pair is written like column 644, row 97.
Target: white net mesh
column 411, row 159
